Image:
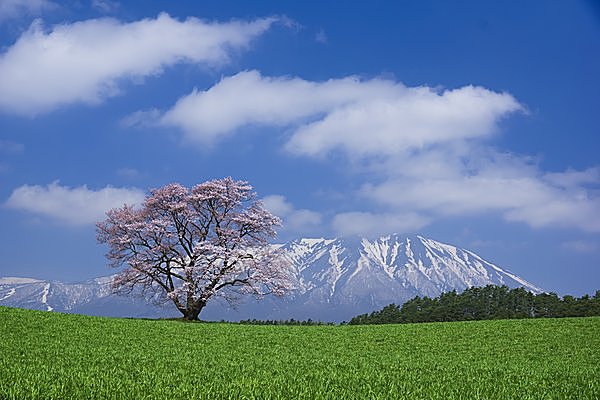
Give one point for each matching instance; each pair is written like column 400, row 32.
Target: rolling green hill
column 55, row 356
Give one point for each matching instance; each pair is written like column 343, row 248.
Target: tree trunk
column 192, row 312
column 191, row 315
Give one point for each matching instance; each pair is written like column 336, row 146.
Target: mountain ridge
column 334, row 279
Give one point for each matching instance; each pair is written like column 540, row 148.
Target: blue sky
column 473, row 123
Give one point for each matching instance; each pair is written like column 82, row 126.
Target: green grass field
column 55, row 356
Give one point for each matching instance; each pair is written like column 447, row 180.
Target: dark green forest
column 483, row 303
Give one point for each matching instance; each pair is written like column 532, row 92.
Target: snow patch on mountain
column 8, row 294
column 17, row 281
column 45, row 297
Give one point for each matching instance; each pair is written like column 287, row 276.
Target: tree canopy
column 192, row 245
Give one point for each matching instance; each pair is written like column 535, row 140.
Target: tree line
column 482, row 303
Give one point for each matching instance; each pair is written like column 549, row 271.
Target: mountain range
column 334, row 280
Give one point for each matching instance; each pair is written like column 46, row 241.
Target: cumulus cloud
column 294, row 220
column 359, row 117
column 84, row 62
column 426, row 148
column 416, row 118
column 14, row 8
column 573, row 178
column 73, row 206
column 368, row 223
column 444, row 184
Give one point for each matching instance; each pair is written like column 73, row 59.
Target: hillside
column 50, row 355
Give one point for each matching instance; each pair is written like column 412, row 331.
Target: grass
column 56, row 356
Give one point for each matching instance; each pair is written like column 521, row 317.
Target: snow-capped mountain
column 335, row 279
column 92, row 297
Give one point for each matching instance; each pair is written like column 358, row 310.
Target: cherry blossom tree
column 189, row 246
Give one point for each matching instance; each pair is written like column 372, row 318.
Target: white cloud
column 425, row 148
column 105, row 6
column 73, row 206
column 572, row 178
column 85, row 62
column 367, row 223
column 294, row 220
column 443, row 184
column 416, row 118
column 15, row 8
column 141, row 119
column 277, row 205
column 360, row 117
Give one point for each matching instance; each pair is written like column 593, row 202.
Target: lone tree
column 192, row 245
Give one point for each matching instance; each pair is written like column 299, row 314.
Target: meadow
column 56, row 356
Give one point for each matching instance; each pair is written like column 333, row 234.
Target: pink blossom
column 189, row 246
